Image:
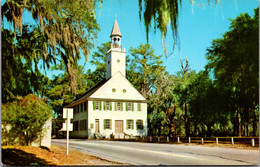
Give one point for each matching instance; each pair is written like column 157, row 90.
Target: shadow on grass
column 16, row 157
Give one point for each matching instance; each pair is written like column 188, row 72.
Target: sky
column 197, row 27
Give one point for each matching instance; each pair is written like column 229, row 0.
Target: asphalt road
column 137, row 153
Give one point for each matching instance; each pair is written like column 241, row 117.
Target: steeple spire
column 115, row 36
column 115, row 30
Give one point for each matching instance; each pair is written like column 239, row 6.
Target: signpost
column 67, row 126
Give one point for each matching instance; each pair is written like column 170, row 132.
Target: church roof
column 88, row 93
column 115, row 30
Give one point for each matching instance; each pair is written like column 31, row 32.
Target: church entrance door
column 119, row 128
column 97, row 126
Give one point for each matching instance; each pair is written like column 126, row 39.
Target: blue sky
column 197, row 27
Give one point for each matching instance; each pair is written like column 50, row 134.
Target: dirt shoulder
column 56, row 155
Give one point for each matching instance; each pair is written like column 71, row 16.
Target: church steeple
column 115, row 60
column 116, row 36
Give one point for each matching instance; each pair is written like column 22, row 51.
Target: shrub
column 23, row 120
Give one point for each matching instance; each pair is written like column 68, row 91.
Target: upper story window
column 118, row 106
column 138, row 106
column 108, row 105
column 129, row 106
column 96, row 105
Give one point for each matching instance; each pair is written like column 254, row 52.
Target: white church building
column 112, row 106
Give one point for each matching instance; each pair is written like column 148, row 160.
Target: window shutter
column 104, row 105
column 136, row 123
column 121, row 106
column 127, row 123
column 100, row 106
column 126, row 105
column 132, row 106
column 110, row 104
column 104, row 123
column 139, row 106
column 115, row 105
column 132, row 124
column 110, row 123
column 94, row 104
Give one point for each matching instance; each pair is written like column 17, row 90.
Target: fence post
column 167, row 139
column 178, row 139
column 151, row 138
column 202, row 141
column 253, row 142
column 217, row 140
column 158, row 138
column 189, row 140
column 129, row 137
column 232, row 140
column 135, row 138
column 143, row 138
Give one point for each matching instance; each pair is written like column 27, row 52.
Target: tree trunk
column 72, row 78
column 186, row 120
column 254, row 124
column 238, row 124
column 209, row 130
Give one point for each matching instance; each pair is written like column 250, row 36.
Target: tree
column 23, row 120
column 163, row 13
column 163, row 102
column 20, row 74
column 63, row 24
column 233, row 60
column 59, row 92
column 99, row 60
column 184, row 79
column 145, row 66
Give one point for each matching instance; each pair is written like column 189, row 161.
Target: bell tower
column 115, row 61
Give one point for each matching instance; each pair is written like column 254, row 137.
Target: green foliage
column 20, row 56
column 143, row 68
column 162, row 106
column 68, row 26
column 99, row 60
column 234, row 62
column 59, row 92
column 23, row 120
column 163, row 13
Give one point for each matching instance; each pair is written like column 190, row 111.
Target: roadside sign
column 67, row 126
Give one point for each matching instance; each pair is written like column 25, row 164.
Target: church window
column 82, row 124
column 107, row 105
column 96, row 105
column 124, row 90
column 118, row 61
column 80, row 108
column 75, row 126
column 129, row 106
column 139, row 124
column 118, row 106
column 130, row 124
column 139, row 107
column 107, row 124
column 113, row 90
